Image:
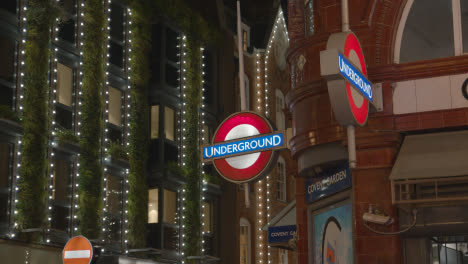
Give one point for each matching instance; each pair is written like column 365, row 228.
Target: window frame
column 457, row 30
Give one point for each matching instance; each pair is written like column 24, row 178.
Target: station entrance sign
column 244, row 147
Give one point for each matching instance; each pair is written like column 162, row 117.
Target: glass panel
column 6, row 95
column 424, row 37
column 156, row 53
column 153, row 206
column 60, row 217
column 171, row 235
column 169, row 126
column 309, row 17
column 115, row 106
column 64, row 84
column 67, row 31
column 8, row 5
column 116, row 54
column 172, row 49
column 113, row 226
column 114, row 134
column 117, row 22
column 207, row 219
column 154, row 121
column 61, row 181
column 171, row 153
column 113, row 194
column 7, row 53
column 5, row 160
column 244, row 244
column 172, row 75
column 63, row 117
column 170, row 207
column 464, row 22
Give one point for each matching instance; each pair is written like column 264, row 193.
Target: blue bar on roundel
column 355, row 77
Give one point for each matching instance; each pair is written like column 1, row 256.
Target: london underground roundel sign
column 244, row 147
column 342, row 64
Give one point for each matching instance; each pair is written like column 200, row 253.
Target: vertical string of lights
column 20, row 93
column 262, row 183
column 183, row 85
column 202, row 141
column 80, row 34
column 107, row 7
column 126, row 118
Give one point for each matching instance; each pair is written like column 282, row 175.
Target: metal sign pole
column 240, row 52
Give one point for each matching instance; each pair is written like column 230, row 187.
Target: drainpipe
column 349, row 128
column 240, row 51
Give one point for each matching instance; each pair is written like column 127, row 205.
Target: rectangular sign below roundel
column 281, row 234
column 354, row 77
column 328, row 182
column 243, row 146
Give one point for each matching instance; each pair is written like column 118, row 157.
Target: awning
column 431, row 170
column 432, row 156
column 282, row 228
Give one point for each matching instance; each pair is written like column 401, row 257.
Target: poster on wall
column 333, row 236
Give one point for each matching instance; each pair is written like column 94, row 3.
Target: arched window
column 431, row 29
column 280, row 119
column 244, row 240
column 281, row 180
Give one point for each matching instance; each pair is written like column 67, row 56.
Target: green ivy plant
column 66, row 135
column 32, row 193
column 139, row 124
column 8, row 114
column 117, row 151
column 91, row 175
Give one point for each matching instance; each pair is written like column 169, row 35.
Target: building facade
column 406, row 153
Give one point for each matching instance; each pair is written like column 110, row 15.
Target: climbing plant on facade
column 91, row 176
column 32, row 194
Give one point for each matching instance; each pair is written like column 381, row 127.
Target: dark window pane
column 113, row 194
column 154, row 154
column 116, row 54
column 209, row 66
column 67, row 31
column 7, row 53
column 5, row 171
column 61, row 181
column 60, row 217
column 172, row 49
column 153, row 236
column 172, row 75
column 114, row 134
column 69, row 7
column 464, row 21
column 156, row 54
column 116, row 23
column 6, row 95
column 113, row 226
column 8, row 5
column 208, row 94
column 170, row 153
column 424, row 37
column 209, row 245
column 63, row 117
column 170, row 238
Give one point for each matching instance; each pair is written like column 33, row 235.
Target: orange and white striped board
column 78, row 250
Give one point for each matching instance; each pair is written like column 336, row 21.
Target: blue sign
column 328, row 182
column 355, row 77
column 242, row 146
column 281, row 234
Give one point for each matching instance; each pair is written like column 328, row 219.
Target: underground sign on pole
column 244, row 147
column 78, row 250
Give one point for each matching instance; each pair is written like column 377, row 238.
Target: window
column 64, row 84
column 421, row 37
column 170, row 207
column 245, row 36
column 244, row 40
column 280, row 119
column 169, row 124
column 282, row 256
column 172, row 58
column 209, row 77
column 117, row 41
column 115, row 106
column 67, row 27
column 449, row 250
column 281, row 180
column 207, row 218
column 153, row 206
column 244, row 241
column 8, row 5
column 64, row 108
column 7, row 70
column 5, row 172
column 154, row 121
column 309, row 17
column 61, row 194
column 114, row 207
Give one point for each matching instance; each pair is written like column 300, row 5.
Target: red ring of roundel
column 359, row 113
column 253, row 171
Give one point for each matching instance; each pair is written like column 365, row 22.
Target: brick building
column 408, row 152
